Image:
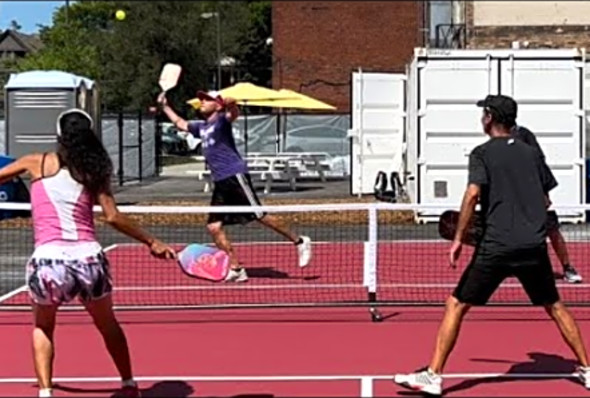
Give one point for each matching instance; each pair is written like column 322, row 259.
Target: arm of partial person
column 22, row 165
column 127, row 226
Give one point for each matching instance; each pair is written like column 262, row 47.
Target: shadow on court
column 253, row 396
column 161, row 389
column 176, row 389
column 271, row 273
column 539, row 363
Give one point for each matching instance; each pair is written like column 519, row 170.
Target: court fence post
column 140, row 144
column 121, row 171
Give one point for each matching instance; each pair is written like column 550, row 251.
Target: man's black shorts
column 488, row 269
column 234, row 191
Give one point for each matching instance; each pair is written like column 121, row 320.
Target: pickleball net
column 364, row 254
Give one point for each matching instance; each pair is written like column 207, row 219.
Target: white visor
column 73, row 110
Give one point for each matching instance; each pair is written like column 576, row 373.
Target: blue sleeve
column 194, row 127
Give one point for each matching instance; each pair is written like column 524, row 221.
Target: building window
column 446, row 24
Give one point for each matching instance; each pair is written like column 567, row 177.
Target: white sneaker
column 304, row 251
column 238, row 275
column 571, row 275
column 584, row 376
column 424, row 381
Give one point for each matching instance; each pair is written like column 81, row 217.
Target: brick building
column 317, row 44
column 535, row 24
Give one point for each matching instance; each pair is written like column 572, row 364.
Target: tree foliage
column 255, row 54
column 125, row 57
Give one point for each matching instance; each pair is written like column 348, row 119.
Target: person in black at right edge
column 510, row 180
column 557, row 241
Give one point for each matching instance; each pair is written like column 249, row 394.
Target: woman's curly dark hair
column 80, row 150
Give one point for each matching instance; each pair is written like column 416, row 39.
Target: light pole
column 208, row 15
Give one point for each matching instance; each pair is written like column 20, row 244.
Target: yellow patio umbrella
column 292, row 100
column 246, row 94
column 195, row 103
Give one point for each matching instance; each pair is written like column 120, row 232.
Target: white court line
column 24, row 288
column 366, row 387
column 13, row 293
column 367, row 378
column 322, row 286
column 238, row 287
column 334, row 242
column 111, row 247
column 254, row 243
column 560, row 285
column 313, row 242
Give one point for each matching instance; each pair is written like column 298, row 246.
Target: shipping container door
column 378, row 127
column 449, row 124
column 550, row 104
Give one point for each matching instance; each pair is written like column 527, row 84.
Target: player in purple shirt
column 233, row 186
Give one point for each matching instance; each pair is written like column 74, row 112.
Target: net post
column 370, row 264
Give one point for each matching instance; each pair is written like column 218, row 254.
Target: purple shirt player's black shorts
column 236, row 190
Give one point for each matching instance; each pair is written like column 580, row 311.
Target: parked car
column 175, row 143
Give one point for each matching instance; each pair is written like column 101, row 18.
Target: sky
column 27, row 13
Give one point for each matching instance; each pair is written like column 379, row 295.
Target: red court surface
column 322, row 352
column 407, row 271
column 300, row 352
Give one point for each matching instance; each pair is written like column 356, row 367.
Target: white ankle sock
column 129, row 383
column 45, row 392
column 433, row 373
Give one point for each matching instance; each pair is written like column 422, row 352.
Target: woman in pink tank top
column 68, row 261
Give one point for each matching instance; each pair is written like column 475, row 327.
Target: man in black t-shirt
column 510, row 180
column 555, row 237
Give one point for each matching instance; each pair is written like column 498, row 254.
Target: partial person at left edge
column 68, row 261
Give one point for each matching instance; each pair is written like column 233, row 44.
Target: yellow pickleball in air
column 120, row 15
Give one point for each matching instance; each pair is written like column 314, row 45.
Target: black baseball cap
column 502, row 106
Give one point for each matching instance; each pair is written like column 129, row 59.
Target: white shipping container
column 443, row 123
column 378, row 127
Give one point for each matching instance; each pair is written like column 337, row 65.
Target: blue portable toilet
column 13, row 191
